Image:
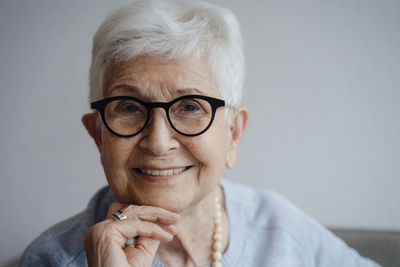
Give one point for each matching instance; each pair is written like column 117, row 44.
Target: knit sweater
column 265, row 231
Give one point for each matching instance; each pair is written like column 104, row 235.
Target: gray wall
column 322, row 88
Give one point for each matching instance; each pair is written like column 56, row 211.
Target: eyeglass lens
column 188, row 115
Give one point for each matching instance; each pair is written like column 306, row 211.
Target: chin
column 171, row 203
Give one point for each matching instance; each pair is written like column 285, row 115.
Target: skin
column 178, row 209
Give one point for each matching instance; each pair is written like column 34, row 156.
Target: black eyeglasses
column 189, row 115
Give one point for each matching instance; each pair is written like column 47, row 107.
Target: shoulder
column 62, row 244
column 281, row 229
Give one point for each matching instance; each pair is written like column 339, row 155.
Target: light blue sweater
column 265, row 230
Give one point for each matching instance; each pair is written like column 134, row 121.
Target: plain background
column 322, row 88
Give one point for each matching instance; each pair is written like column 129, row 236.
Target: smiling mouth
column 164, row 172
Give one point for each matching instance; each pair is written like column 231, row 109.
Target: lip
column 159, row 179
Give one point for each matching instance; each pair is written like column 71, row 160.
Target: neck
column 202, row 210
column 192, row 244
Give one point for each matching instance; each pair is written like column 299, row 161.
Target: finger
column 124, row 229
column 170, row 228
column 165, row 218
column 152, row 214
column 145, row 250
column 145, row 213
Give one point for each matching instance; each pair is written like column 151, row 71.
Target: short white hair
column 172, row 29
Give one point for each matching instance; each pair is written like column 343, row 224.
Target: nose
column 158, row 136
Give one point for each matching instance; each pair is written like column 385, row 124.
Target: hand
column 104, row 242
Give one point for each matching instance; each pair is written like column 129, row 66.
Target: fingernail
column 176, row 215
column 173, row 216
column 173, row 229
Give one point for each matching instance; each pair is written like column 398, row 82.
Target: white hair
column 175, row 30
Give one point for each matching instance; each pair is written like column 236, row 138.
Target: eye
column 128, row 108
column 190, row 106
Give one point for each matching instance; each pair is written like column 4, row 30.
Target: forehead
column 158, row 78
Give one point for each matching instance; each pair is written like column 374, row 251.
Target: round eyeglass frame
column 100, row 105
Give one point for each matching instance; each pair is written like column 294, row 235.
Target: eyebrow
column 132, row 89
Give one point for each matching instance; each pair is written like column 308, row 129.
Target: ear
column 238, row 125
column 90, row 122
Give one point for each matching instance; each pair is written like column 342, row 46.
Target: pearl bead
column 217, row 255
column 218, row 229
column 218, row 237
column 218, row 214
column 216, row 264
column 217, row 246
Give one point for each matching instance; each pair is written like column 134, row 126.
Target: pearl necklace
column 217, row 235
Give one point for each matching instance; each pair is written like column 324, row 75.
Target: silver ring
column 131, row 242
column 118, row 215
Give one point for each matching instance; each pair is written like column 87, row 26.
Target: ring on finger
column 131, row 242
column 118, row 215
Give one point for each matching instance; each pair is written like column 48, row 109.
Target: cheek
column 210, row 149
column 115, row 151
column 114, row 158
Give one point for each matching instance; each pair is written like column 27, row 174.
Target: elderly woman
column 166, row 81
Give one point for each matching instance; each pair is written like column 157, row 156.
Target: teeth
column 178, row 170
column 162, row 172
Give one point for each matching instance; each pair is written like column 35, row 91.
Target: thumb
column 144, row 251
